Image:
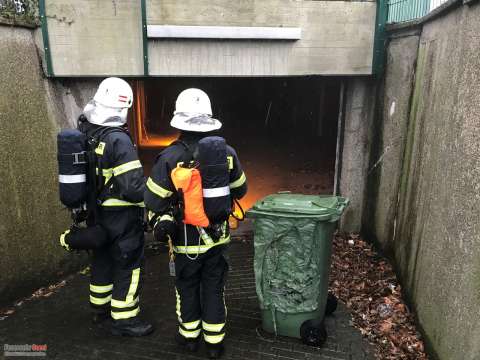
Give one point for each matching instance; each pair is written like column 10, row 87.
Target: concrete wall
column 337, row 38
column 353, row 156
column 95, row 38
column 92, row 38
column 32, row 110
column 425, row 191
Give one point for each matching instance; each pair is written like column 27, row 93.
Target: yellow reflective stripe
column 239, row 182
column 125, row 314
column 100, row 301
column 205, row 237
column 62, row 240
column 157, row 189
column 124, row 304
column 166, row 217
column 214, row 339
column 230, row 162
column 118, row 202
column 207, row 240
column 101, row 289
column 133, row 285
column 150, row 215
column 189, row 334
column 212, row 327
column 105, row 172
column 131, row 165
column 100, row 148
column 194, row 249
column 179, row 313
column 191, row 325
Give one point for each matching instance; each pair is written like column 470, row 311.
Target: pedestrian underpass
column 284, row 129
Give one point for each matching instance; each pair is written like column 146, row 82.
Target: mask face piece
column 99, row 114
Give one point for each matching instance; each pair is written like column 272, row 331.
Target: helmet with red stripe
column 115, row 93
column 110, row 104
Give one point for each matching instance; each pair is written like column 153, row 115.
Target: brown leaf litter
column 367, row 284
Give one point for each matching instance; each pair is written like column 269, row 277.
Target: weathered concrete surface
column 98, row 38
column 390, row 137
column 95, row 38
column 62, row 322
column 429, row 213
column 31, row 215
column 357, row 137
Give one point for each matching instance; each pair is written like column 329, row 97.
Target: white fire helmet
column 193, row 112
column 109, row 106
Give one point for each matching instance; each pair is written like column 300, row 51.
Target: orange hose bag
column 189, row 181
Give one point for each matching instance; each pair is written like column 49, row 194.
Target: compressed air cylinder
column 212, row 156
column 72, row 167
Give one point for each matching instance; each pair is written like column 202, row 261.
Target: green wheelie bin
column 293, row 245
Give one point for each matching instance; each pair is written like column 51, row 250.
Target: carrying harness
column 190, row 167
column 78, row 155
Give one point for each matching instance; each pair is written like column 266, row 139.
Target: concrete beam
column 223, row 32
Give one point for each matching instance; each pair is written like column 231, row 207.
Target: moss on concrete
column 436, row 225
column 32, row 217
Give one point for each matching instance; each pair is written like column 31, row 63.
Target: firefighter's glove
column 63, row 243
column 163, row 230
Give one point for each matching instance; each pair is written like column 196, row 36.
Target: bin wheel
column 313, row 333
column 332, row 304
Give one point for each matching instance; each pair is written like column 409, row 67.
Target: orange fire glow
column 144, row 139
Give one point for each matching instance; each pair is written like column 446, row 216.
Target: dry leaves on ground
column 366, row 283
column 43, row 292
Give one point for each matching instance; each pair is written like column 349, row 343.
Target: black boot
column 189, row 344
column 215, row 351
column 131, row 327
column 101, row 316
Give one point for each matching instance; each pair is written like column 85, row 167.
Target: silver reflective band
column 216, row 192
column 72, row 179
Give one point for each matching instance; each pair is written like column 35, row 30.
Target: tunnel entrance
column 283, row 129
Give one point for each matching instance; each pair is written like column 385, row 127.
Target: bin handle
column 342, row 205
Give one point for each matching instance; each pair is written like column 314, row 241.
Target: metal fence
column 406, row 10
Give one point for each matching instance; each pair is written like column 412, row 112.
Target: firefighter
column 116, row 269
column 200, row 259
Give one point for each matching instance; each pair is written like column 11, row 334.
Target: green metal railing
column 407, row 10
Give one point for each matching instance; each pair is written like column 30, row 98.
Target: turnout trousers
column 200, row 295
column 117, row 269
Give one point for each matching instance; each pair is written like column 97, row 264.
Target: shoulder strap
column 190, row 151
column 189, row 154
column 100, row 135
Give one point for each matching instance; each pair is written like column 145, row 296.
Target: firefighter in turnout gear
column 116, row 269
column 200, row 264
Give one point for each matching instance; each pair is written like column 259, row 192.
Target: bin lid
column 300, row 204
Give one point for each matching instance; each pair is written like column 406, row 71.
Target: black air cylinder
column 72, row 167
column 212, row 156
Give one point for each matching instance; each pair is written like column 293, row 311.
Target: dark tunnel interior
column 283, row 129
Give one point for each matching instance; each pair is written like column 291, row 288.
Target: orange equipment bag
column 189, row 181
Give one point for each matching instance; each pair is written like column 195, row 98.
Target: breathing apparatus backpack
column 79, row 186
column 203, row 188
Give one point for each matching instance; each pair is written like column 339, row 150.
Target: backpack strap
column 95, row 181
column 190, row 151
column 98, row 136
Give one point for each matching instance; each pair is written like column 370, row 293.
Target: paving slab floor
column 62, row 321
